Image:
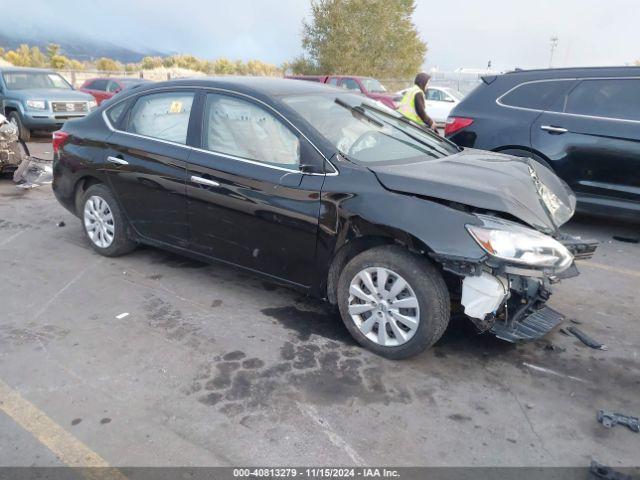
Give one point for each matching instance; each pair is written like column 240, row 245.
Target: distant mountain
column 79, row 48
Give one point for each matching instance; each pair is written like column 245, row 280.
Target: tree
column 108, row 65
column 53, row 50
column 59, row 62
column 362, row 37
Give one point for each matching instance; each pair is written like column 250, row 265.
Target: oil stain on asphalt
column 319, row 362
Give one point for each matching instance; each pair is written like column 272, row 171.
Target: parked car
column 328, row 192
column 37, row 99
column 370, row 87
column 439, row 102
column 583, row 123
column 105, row 88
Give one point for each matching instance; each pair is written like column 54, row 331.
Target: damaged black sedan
column 331, row 193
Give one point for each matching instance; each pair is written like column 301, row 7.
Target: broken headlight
column 518, row 244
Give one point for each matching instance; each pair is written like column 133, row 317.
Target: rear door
column 146, row 164
column 594, row 138
column 249, row 202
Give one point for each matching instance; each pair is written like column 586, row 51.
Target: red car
column 104, row 88
column 368, row 86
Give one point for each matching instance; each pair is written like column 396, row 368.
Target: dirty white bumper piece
column 483, row 294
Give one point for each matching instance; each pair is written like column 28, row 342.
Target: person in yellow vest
column 413, row 102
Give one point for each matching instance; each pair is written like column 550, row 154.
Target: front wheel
column 104, row 223
column 393, row 302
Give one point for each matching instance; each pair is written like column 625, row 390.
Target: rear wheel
column 104, row 224
column 23, row 132
column 393, row 302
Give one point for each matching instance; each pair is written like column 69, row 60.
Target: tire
column 426, row 289
column 99, row 208
column 23, row 132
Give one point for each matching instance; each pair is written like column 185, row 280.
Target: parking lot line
column 63, row 444
column 333, row 436
column 623, row 271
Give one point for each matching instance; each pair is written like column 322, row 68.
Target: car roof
column 577, row 72
column 270, row 86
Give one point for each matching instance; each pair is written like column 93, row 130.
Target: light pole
column 554, row 44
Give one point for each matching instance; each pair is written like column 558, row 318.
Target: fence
column 78, row 77
column 462, row 81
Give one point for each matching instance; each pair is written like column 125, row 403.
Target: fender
column 376, row 215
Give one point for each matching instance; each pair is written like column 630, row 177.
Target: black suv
column 582, row 122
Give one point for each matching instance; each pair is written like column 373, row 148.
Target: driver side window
column 243, row 129
column 350, row 84
column 434, row 95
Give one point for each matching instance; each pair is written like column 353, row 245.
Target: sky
column 459, row 33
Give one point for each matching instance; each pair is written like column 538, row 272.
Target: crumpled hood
column 486, row 180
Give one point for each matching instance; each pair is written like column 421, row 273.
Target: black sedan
column 331, row 193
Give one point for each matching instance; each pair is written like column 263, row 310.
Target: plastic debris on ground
column 600, row 471
column 611, row 419
column 586, row 339
column 620, row 238
column 33, row 172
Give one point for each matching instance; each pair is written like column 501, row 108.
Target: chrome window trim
column 595, row 117
column 335, row 171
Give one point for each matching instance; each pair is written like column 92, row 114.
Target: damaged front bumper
column 510, row 300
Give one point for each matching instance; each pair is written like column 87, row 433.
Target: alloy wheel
column 383, row 306
column 98, row 221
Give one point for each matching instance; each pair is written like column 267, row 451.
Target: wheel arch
column 358, row 241
column 81, row 186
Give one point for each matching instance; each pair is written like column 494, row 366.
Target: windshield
column 372, row 85
column 366, row 131
column 32, row 80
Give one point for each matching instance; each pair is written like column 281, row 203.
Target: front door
column 146, row 165
column 249, row 202
column 594, row 141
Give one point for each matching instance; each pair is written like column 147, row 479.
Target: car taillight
column 456, row 123
column 58, row 139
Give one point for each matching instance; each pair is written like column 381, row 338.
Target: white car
column 440, row 102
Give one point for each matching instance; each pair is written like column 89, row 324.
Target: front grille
column 69, row 106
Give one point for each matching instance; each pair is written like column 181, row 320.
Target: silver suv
column 37, row 99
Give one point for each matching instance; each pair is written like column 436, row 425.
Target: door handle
column 552, row 129
column 117, row 160
column 204, row 181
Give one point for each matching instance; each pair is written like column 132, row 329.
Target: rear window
column 536, row 95
column 162, row 115
column 610, row 98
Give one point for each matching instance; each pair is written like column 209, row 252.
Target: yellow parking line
column 63, row 444
column 623, row 271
